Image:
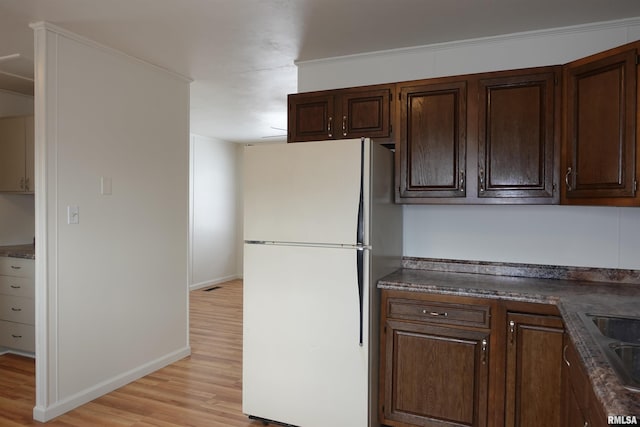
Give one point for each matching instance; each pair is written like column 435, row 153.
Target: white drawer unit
column 17, row 267
column 17, row 309
column 17, row 286
column 18, row 336
column 17, row 304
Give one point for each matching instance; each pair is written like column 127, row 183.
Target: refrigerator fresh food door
column 306, row 192
column 302, row 360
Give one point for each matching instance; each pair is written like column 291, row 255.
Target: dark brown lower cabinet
column 436, row 375
column 458, row 361
column 533, row 374
column 581, row 408
column 435, row 362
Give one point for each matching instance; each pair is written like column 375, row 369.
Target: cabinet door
column 12, row 154
column 599, row 156
column 432, row 147
column 517, row 136
column 435, row 376
column 365, row 113
column 573, row 413
column 533, row 376
column 572, row 416
column 311, row 117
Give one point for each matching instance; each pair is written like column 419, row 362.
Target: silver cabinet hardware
column 512, row 331
column 566, row 179
column 484, row 351
column 435, row 313
column 564, row 355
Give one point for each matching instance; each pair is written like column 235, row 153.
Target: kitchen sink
column 619, row 338
column 625, row 329
column 630, row 356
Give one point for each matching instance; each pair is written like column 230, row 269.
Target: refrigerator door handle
column 360, row 230
column 360, row 265
column 360, row 241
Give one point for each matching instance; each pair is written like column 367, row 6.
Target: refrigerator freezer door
column 302, row 361
column 305, row 192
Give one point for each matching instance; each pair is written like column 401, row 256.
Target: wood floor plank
column 204, row 389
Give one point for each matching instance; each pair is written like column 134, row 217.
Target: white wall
column 111, row 291
column 558, row 235
column 216, row 217
column 17, row 223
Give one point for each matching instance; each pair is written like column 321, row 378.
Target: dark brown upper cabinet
column 599, row 155
column 341, row 114
column 518, row 136
column 482, row 138
column 431, row 155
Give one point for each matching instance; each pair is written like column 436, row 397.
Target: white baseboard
column 214, row 282
column 44, row 414
column 4, row 350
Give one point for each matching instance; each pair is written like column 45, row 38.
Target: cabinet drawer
column 17, row 267
column 437, row 312
column 17, row 286
column 18, row 336
column 17, row 309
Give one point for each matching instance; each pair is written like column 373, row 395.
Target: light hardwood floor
column 203, row 389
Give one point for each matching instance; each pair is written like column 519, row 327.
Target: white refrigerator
column 320, row 229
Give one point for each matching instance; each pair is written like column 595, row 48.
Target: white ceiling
column 241, row 53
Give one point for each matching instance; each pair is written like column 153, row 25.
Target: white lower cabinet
column 17, row 304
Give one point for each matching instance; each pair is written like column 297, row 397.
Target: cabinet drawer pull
column 15, row 309
column 16, row 267
column 564, row 356
column 15, row 286
column 435, row 313
column 16, row 336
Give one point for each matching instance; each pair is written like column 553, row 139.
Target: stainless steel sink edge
column 608, row 346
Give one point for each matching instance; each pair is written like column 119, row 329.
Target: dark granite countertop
column 18, row 251
column 573, row 290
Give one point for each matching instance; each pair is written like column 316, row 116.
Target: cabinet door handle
column 344, row 125
column 461, row 180
column 564, row 355
column 330, row 127
column 22, row 183
column 26, row 184
column 566, row 179
column 481, row 179
column 512, row 331
column 484, row 351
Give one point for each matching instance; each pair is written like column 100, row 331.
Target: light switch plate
column 73, row 215
column 105, row 185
